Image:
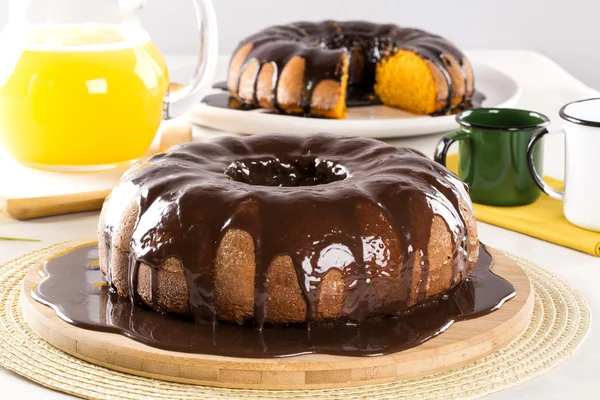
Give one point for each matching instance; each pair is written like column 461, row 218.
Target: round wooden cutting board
column 463, row 342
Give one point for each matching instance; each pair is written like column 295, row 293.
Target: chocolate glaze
column 359, row 97
column 296, row 196
column 221, row 85
column 78, row 292
column 226, row 100
column 355, row 98
column 324, row 44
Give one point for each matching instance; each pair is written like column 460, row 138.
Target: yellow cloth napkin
column 543, row 219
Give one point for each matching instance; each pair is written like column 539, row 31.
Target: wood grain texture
column 463, row 342
column 175, row 135
column 36, row 207
column 46, row 206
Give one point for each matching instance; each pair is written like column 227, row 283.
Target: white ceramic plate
column 373, row 121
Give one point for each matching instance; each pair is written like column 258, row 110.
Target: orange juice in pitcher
column 82, row 95
column 86, row 95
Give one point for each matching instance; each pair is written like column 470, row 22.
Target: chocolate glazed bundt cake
column 311, row 68
column 287, row 229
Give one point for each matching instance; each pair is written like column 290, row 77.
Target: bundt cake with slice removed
column 287, row 229
column 313, row 68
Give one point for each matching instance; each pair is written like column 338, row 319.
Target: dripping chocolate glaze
column 76, row 289
column 355, row 97
column 296, row 196
column 323, row 45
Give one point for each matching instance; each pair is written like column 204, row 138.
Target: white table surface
column 546, row 87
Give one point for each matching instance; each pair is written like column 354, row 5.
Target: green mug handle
column 553, row 193
column 441, row 150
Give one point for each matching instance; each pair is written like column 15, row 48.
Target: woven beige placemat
column 560, row 322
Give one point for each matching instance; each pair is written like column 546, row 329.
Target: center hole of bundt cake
column 298, row 171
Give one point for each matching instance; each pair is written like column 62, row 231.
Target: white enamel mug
column 581, row 195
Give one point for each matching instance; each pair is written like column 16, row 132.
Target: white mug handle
column 550, row 191
column 178, row 102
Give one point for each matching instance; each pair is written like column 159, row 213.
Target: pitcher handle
column 178, row 102
column 550, row 191
column 441, row 150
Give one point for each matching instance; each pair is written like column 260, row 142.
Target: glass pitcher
column 83, row 87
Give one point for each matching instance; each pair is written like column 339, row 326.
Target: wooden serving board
column 34, row 193
column 463, row 342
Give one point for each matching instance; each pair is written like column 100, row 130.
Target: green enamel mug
column 492, row 154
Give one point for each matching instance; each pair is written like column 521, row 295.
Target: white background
column 568, row 31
